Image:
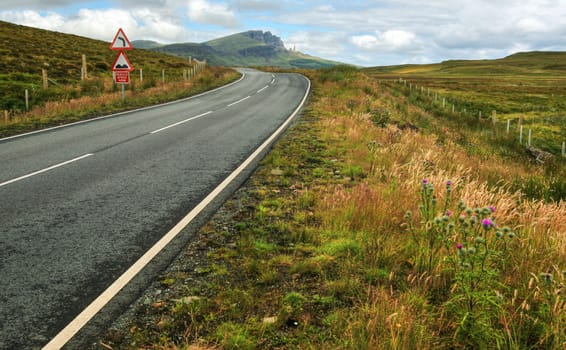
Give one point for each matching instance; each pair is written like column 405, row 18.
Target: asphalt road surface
column 80, row 204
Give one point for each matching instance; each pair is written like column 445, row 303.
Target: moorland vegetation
column 377, row 222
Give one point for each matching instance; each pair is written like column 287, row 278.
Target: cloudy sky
column 366, row 33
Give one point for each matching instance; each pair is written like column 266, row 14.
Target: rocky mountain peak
column 267, row 38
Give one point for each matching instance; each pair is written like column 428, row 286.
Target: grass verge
column 72, row 110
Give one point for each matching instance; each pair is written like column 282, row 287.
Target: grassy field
column 501, row 102
column 528, row 89
column 370, row 225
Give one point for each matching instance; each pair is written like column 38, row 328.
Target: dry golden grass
column 390, row 321
column 59, row 112
column 375, row 206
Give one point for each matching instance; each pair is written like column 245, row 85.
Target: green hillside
column 524, row 63
column 25, row 51
column 251, row 48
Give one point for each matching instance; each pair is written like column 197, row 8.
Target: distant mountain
column 251, row 48
column 146, row 44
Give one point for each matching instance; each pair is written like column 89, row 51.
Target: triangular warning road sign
column 121, row 63
column 121, row 41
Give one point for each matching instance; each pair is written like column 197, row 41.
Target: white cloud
column 155, row 26
column 202, row 11
column 532, row 25
column 49, row 21
column 398, row 39
column 100, row 24
column 390, row 40
column 256, row 5
column 37, row 4
column 103, row 24
column 362, row 32
column 366, row 42
column 322, row 44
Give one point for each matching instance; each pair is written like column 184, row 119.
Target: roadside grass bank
column 59, row 112
column 367, row 227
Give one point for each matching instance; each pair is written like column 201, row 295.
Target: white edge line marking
column 241, row 100
column 125, row 112
column 79, row 322
column 181, row 122
column 263, row 88
column 45, row 170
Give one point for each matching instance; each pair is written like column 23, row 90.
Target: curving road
column 80, row 204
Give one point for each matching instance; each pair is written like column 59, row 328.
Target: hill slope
column 25, row 51
column 523, row 63
column 251, row 48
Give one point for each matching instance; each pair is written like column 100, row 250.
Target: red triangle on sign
column 121, row 41
column 122, row 63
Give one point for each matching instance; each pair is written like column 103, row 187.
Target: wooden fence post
column 44, row 75
column 141, row 74
column 27, row 99
column 530, row 137
column 521, row 134
column 163, row 75
column 508, row 125
column 84, row 74
column 7, row 118
column 563, row 149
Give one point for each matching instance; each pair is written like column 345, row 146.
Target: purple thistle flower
column 448, row 183
column 492, row 208
column 487, row 223
column 448, row 213
column 425, row 181
column 459, row 246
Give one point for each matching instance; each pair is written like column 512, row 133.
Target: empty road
column 80, row 204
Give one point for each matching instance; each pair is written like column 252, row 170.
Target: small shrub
column 380, row 117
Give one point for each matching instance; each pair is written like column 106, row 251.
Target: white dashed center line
column 234, row 103
column 45, row 170
column 181, row 122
